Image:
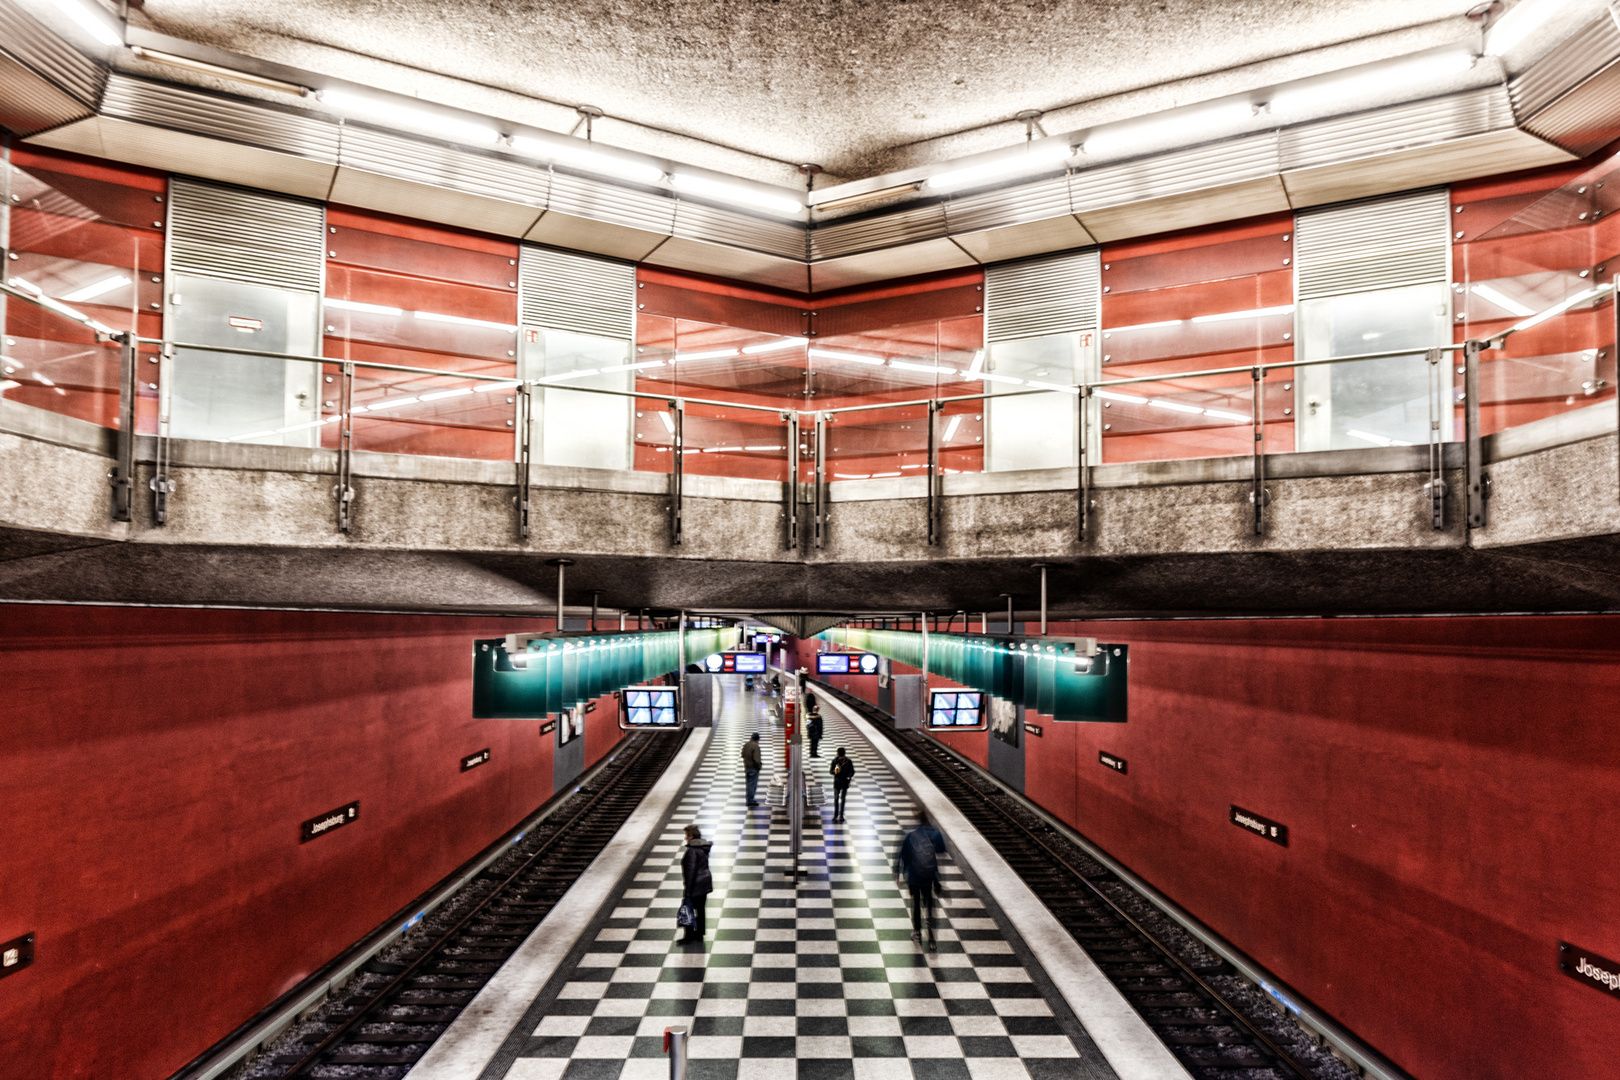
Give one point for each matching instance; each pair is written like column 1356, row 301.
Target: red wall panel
column 159, row 764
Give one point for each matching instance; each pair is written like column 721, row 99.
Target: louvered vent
column 563, row 291
column 247, row 236
column 1049, row 295
column 1377, row 244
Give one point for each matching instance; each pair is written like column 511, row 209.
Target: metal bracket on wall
column 1478, row 483
column 934, row 474
column 525, row 426
column 791, row 419
column 1084, row 484
column 1259, row 496
column 1435, row 490
column 819, row 480
column 162, row 486
column 677, row 473
column 123, row 477
column 344, row 491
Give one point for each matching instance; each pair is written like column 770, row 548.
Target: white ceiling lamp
column 1196, row 125
column 422, row 121
column 97, row 288
column 1349, row 91
column 1523, row 19
column 1506, row 303
column 89, row 21
column 775, row 346
column 737, row 194
column 588, row 159
column 1042, row 156
column 853, row 358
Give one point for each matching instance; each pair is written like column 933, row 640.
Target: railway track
column 1218, row 1026
column 389, row 1016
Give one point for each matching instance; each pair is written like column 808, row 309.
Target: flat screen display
column 726, row 663
column 843, row 663
column 650, row 707
column 767, row 639
column 751, row 663
column 955, row 708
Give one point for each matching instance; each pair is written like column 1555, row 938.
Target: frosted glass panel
column 1371, row 402
column 573, row 428
column 1036, row 431
column 243, row 398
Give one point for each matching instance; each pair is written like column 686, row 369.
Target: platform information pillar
column 792, row 738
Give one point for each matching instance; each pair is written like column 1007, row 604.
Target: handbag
column 686, row 917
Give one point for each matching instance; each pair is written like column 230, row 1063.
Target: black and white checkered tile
column 824, row 975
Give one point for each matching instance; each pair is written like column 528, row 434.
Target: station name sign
column 1033, row 729
column 321, row 824
column 1111, row 761
column 1250, row 821
column 472, row 761
column 1588, row 967
column 16, row 954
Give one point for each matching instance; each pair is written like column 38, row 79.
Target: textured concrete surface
column 753, row 87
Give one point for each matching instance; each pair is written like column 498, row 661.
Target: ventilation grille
column 1379, row 244
column 563, row 291
column 889, row 229
column 695, row 221
column 1593, row 48
column 1400, row 127
column 245, row 236
column 440, row 166
column 1051, row 295
column 245, row 122
column 50, row 56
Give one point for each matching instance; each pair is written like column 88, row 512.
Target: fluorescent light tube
column 1521, row 20
column 1347, row 92
column 1197, row 124
column 1225, row 415
column 776, row 346
column 1139, row 326
column 1053, row 386
column 491, row 387
column 669, row 424
column 378, row 406
column 852, row 476
column 736, row 193
column 218, row 72
column 582, row 373
column 1174, row 406
column 422, row 121
column 434, row 316
column 978, row 363
column 44, row 379
column 355, row 305
column 300, row 427
column 950, row 428
column 987, row 376
column 633, row 367
column 437, row 394
column 88, row 22
column 1033, row 157
column 932, row 369
column 105, row 285
column 854, row 358
column 757, row 449
column 1376, row 440
column 1507, row 304
column 1113, row 395
column 721, row 449
column 712, row 354
column 868, row 196
column 588, row 159
column 1561, row 307
column 1256, row 313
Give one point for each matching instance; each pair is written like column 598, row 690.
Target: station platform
column 817, row 979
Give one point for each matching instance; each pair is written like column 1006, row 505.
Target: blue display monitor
column 751, row 663
column 651, row 706
column 955, row 708
column 846, row 663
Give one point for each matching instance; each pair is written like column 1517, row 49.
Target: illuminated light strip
column 881, row 475
column 1174, row 406
column 931, row 369
column 582, row 373
column 485, row 388
column 300, row 427
column 9, row 384
column 434, row 316
column 721, row 449
column 1053, row 386
column 1559, row 308
column 1140, row 326
column 1113, row 395
column 1224, row 415
column 57, row 306
column 90, row 24
column 253, row 435
column 1255, row 313
column 1345, row 90
column 424, row 121
column 854, row 358
column 978, row 363
column 1200, row 124
column 1506, row 303
column 757, row 449
column 712, row 354
column 950, row 428
column 986, row 376
column 1376, row 440
column 105, row 285
column 370, row 309
column 852, row 476
column 1521, row 20
column 587, row 159
column 1036, row 157
column 633, row 367
column 437, row 394
column 737, row 193
column 669, row 424
column 394, row 404
column 776, row 346
column 41, row 378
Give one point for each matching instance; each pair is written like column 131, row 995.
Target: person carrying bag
column 843, row 774
column 918, row 862
column 696, row 885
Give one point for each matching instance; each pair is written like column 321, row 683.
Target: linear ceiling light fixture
column 867, row 196
column 1523, row 19
column 1347, row 92
column 1506, row 303
column 88, row 21
column 1561, row 307
column 930, row 369
column 97, row 288
column 1199, row 125
column 204, row 68
column 1035, row 157
column 854, row 358
column 737, row 194
column 588, row 159
column 711, row 354
column 775, row 346
column 1253, row 313
column 355, row 305
column 422, row 121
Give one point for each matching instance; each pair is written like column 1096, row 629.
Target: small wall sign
column 1033, row 729
column 16, row 954
column 1588, row 967
column 1248, row 820
column 472, row 761
column 548, row 727
column 321, row 824
column 1112, row 761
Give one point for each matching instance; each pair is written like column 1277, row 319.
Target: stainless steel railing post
column 675, row 1047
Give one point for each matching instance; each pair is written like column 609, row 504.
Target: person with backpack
column 696, row 881
column 813, row 728
column 918, row 861
column 843, row 773
column 751, row 767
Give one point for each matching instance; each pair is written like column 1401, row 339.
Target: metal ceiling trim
column 37, row 47
column 31, row 104
column 629, row 207
column 1584, row 120
column 1388, row 131
column 1034, row 297
column 378, row 152
column 1382, row 243
column 1217, row 165
column 561, row 290
column 237, row 120
column 883, row 230
column 248, row 236
column 699, row 221
column 1590, row 50
column 1052, row 198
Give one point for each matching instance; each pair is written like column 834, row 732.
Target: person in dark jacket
column 813, row 727
column 697, row 882
column 751, row 767
column 843, row 773
column 918, row 861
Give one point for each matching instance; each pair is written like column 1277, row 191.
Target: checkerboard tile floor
column 818, row 982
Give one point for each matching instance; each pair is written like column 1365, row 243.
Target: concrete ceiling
column 753, row 87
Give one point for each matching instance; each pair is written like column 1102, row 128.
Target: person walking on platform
column 843, row 772
column 918, row 861
column 697, row 882
column 751, row 767
column 813, row 727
